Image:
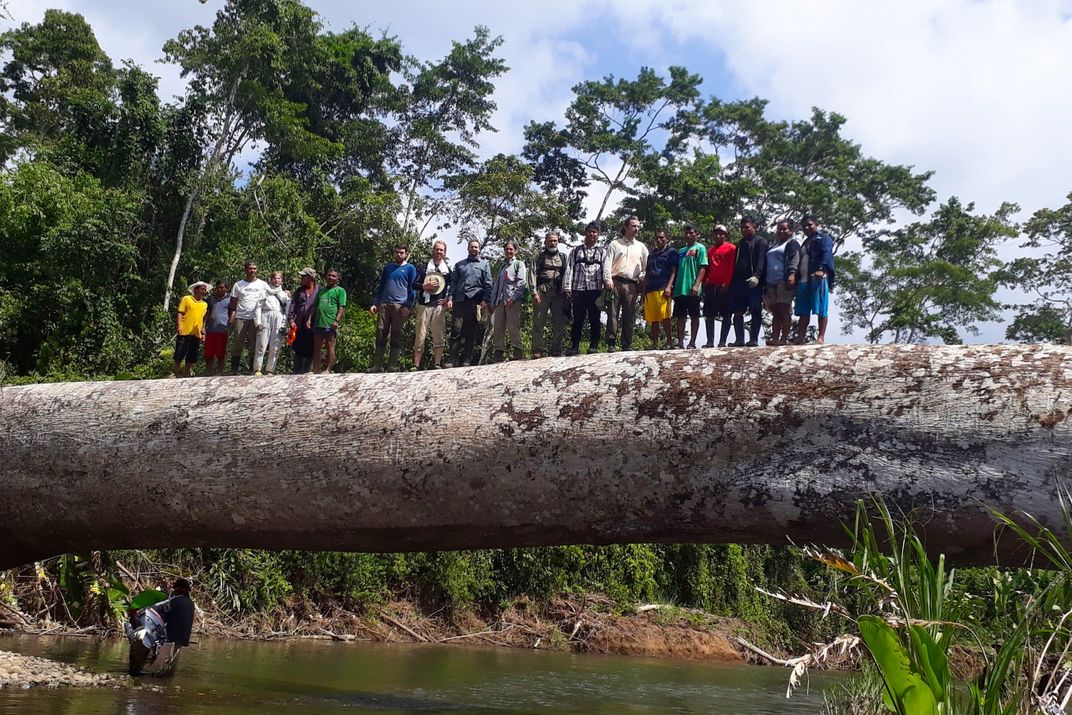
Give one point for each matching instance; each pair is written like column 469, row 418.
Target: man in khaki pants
column 432, row 306
column 506, row 295
column 624, row 264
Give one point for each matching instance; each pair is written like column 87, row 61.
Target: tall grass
column 897, row 598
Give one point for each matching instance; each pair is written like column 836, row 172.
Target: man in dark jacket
column 816, row 276
column 178, row 613
column 746, row 291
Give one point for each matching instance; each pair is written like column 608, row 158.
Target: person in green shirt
column 327, row 315
column 691, row 267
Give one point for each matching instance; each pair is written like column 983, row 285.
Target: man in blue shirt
column 470, row 286
column 816, row 277
column 392, row 306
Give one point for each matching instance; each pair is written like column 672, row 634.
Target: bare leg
column 669, row 330
column 331, row 352
column 681, row 332
column 695, row 324
column 822, row 330
column 417, row 354
column 802, row 328
column 655, row 334
column 178, row 369
column 318, row 347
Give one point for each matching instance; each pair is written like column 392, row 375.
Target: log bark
column 729, row 445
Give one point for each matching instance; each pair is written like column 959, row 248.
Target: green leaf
column 895, row 667
column 931, row 660
column 147, row 598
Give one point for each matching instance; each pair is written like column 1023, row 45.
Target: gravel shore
column 23, row 671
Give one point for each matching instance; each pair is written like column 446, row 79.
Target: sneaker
column 570, row 352
column 751, row 344
column 440, row 367
column 692, row 346
column 414, row 369
column 258, row 373
column 722, row 345
column 709, row 345
column 737, row 345
column 611, row 348
column 595, row 351
column 536, row 354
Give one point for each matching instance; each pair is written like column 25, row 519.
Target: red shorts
column 215, row 346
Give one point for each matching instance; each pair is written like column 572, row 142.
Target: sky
column 976, row 90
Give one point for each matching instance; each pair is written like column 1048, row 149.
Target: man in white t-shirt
column 244, row 311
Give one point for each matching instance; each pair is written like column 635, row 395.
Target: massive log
column 745, row 446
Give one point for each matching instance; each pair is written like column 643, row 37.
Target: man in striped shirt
column 583, row 283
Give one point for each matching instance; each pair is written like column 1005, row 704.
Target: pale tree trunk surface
column 728, row 445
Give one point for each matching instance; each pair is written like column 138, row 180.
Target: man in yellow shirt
column 190, row 328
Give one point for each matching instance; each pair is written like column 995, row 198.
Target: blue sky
column 974, row 89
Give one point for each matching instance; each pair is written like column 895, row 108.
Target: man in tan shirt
column 623, row 272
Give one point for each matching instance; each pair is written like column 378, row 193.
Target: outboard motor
column 150, row 653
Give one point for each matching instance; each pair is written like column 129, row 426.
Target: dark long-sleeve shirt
column 396, row 285
column 471, row 280
column 178, row 613
column 751, row 260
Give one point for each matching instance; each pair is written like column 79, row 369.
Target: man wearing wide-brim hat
column 298, row 314
column 190, row 328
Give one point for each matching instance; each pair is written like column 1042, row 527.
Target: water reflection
column 324, row 677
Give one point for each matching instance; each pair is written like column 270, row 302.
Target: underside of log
column 728, row 445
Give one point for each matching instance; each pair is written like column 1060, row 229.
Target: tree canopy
column 295, row 145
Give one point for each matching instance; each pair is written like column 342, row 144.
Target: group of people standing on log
column 672, row 285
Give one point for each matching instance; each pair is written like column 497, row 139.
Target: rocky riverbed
column 23, row 671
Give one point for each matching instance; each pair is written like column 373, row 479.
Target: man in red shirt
column 716, row 291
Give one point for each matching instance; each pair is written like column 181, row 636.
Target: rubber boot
column 392, row 360
column 738, row 330
column 497, row 356
column 377, row 359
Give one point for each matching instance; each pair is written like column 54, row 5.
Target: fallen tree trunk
column 744, row 446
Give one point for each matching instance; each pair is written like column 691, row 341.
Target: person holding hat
column 431, row 311
column 721, row 255
column 190, row 328
column 299, row 313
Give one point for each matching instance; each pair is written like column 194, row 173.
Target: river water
column 325, row 677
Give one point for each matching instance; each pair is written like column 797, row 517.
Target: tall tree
column 244, row 72
column 927, row 281
column 446, row 105
column 727, row 159
column 57, row 92
column 611, row 126
column 498, row 202
column 1046, row 277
